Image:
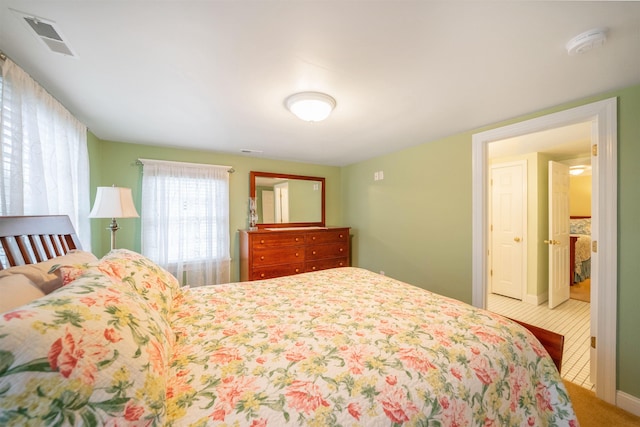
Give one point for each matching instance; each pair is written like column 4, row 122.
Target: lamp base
column 113, row 227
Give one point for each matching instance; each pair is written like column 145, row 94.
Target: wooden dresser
column 265, row 254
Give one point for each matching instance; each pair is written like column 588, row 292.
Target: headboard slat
column 45, row 246
column 34, row 246
column 63, row 244
column 24, row 251
column 31, row 239
column 55, row 244
column 6, row 247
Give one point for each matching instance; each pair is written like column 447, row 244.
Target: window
column 43, row 154
column 185, row 220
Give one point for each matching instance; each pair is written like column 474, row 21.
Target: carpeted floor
column 593, row 412
column 582, row 291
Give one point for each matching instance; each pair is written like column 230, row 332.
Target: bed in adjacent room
column 580, row 248
column 121, row 342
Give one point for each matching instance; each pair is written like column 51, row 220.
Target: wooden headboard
column 32, row 239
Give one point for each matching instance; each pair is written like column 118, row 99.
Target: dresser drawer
column 327, row 237
column 278, row 255
column 325, row 264
column 266, row 254
column 333, row 250
column 270, row 272
column 268, row 240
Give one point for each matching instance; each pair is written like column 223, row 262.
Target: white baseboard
column 628, row 402
column 536, row 299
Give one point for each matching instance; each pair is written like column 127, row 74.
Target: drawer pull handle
column 261, row 274
column 314, row 252
column 313, row 268
column 340, row 264
column 341, row 249
column 297, row 239
column 341, row 236
column 296, row 253
column 262, row 242
column 262, row 258
column 297, row 270
column 313, row 238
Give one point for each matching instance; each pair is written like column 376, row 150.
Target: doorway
column 602, row 116
column 552, row 184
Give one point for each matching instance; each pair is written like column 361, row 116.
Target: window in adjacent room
column 185, row 220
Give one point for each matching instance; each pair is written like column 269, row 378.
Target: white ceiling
column 213, row 75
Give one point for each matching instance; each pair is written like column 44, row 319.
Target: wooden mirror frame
column 252, row 193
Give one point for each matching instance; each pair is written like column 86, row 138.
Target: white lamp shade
column 311, row 106
column 113, row 202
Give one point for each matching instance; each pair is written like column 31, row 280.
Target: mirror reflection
column 283, row 199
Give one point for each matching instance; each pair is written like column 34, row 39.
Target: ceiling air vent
column 47, row 33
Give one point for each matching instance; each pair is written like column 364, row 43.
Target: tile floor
column 570, row 319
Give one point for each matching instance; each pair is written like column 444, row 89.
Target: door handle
column 516, row 239
column 552, row 242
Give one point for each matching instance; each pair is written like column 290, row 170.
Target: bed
column 120, row 343
column 580, row 248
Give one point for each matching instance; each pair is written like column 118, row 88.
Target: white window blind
column 185, row 220
column 44, row 157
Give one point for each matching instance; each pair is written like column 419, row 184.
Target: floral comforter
column 122, row 345
column 350, row 347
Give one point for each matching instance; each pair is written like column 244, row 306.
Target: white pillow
column 39, row 273
column 17, row 290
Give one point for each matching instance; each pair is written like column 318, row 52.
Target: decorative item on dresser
column 268, row 253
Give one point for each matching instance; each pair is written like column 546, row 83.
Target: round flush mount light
column 311, row 106
column 579, row 169
column 586, row 41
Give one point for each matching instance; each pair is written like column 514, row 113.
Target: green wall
column 115, row 163
column 416, row 223
column 305, row 201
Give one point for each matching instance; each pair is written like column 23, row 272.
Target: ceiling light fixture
column 311, row 106
column 586, row 41
column 577, row 170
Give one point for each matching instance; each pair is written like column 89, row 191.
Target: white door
column 508, row 225
column 559, row 283
column 282, row 202
column 268, row 207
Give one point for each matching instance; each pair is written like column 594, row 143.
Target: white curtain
column 185, row 220
column 43, row 150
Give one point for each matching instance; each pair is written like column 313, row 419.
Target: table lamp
column 113, row 202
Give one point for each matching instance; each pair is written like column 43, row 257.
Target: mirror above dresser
column 285, row 200
column 290, row 236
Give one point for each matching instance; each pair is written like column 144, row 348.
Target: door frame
column 603, row 118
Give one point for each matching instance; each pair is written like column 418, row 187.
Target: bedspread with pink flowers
column 122, row 345
column 348, row 347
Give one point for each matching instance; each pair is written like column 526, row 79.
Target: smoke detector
column 586, row 41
